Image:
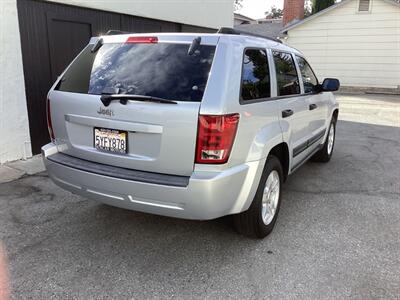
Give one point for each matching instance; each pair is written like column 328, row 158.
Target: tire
column 324, row 155
column 251, row 221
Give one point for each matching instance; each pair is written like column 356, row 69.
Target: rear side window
column 160, row 70
column 286, row 74
column 255, row 75
column 310, row 81
column 77, row 77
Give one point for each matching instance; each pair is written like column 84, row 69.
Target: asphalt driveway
column 337, row 236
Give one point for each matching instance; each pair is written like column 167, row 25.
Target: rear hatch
column 162, row 79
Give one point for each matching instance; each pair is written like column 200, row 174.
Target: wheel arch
column 335, row 114
column 281, row 151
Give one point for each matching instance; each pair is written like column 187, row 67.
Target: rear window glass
column 159, row 70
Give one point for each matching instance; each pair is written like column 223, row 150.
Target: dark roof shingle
column 270, row 30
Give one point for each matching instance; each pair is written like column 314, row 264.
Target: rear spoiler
column 115, row 32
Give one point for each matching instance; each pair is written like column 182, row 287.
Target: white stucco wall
column 362, row 49
column 14, row 128
column 206, row 13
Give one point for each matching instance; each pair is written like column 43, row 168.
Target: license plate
column 110, row 140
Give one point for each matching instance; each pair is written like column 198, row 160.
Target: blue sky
column 255, row 8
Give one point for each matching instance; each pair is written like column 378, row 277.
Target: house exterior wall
column 361, row 49
column 14, row 128
column 205, row 13
column 238, row 21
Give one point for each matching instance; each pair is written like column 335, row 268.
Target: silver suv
column 193, row 126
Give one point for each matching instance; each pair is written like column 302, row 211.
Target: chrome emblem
column 105, row 111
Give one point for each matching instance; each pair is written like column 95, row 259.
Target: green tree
column 237, row 4
column 307, row 8
column 319, row 5
column 274, row 13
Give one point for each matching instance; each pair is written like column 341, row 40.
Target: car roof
column 207, row 39
column 254, row 41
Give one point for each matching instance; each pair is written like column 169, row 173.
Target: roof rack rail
column 228, row 30
column 115, row 32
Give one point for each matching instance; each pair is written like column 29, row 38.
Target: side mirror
column 330, row 85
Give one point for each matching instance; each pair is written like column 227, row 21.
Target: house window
column 364, row 5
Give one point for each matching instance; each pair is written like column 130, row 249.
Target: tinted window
column 77, row 77
column 158, row 70
column 286, row 74
column 255, row 76
column 310, row 81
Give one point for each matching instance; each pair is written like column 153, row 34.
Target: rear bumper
column 207, row 195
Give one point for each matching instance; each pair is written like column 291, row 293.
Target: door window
column 286, row 74
column 255, row 75
column 310, row 81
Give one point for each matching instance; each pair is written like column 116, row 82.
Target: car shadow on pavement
column 63, row 245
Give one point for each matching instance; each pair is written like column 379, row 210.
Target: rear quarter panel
column 258, row 129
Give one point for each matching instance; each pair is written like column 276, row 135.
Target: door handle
column 312, row 106
column 287, row 113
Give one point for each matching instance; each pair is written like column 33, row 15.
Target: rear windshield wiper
column 194, row 46
column 106, row 99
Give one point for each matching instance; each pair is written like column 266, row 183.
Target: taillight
column 215, row 136
column 142, row 40
column 49, row 123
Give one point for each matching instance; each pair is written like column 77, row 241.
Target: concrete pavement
column 16, row 169
column 337, row 236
